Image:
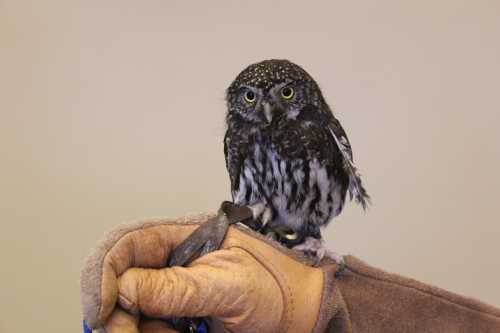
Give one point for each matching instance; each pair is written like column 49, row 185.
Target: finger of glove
column 155, row 326
column 148, row 246
column 122, row 322
column 170, row 292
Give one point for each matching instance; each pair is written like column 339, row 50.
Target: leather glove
column 250, row 285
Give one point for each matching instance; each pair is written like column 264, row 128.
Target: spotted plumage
column 285, row 150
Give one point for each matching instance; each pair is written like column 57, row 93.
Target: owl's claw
column 261, row 215
column 316, row 250
column 271, row 235
column 261, row 212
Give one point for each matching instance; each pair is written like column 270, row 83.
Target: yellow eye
column 287, row 92
column 249, row 96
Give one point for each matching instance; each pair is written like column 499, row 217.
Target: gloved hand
column 249, row 285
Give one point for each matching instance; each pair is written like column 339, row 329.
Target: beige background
column 112, row 111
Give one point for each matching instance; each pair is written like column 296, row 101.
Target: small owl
column 288, row 157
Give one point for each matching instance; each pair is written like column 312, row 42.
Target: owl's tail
column 356, row 188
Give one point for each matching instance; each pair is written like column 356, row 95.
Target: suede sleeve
column 366, row 299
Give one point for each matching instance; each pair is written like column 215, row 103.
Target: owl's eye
column 249, row 96
column 287, row 92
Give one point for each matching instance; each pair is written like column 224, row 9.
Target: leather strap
column 210, row 235
column 235, row 213
column 207, row 238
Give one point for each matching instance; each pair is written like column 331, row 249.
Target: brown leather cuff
column 366, row 299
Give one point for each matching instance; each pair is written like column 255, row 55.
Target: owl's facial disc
column 270, row 90
column 266, row 105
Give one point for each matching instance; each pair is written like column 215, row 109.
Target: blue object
column 86, row 328
column 202, row 327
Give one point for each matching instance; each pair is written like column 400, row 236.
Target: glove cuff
column 382, row 302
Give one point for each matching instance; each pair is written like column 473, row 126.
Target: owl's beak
column 268, row 111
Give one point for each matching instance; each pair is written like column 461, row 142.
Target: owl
column 287, row 156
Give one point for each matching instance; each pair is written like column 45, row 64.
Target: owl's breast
column 296, row 188
column 264, row 169
column 264, row 173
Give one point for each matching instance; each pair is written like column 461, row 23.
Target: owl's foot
column 316, row 249
column 261, row 215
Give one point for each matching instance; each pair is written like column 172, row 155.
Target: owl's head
column 272, row 89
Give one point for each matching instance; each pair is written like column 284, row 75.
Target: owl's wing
column 356, row 188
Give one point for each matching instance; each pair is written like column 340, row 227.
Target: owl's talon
column 340, row 269
column 271, row 236
column 257, row 210
column 316, row 250
column 262, row 213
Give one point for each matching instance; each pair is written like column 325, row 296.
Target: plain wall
column 113, row 111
